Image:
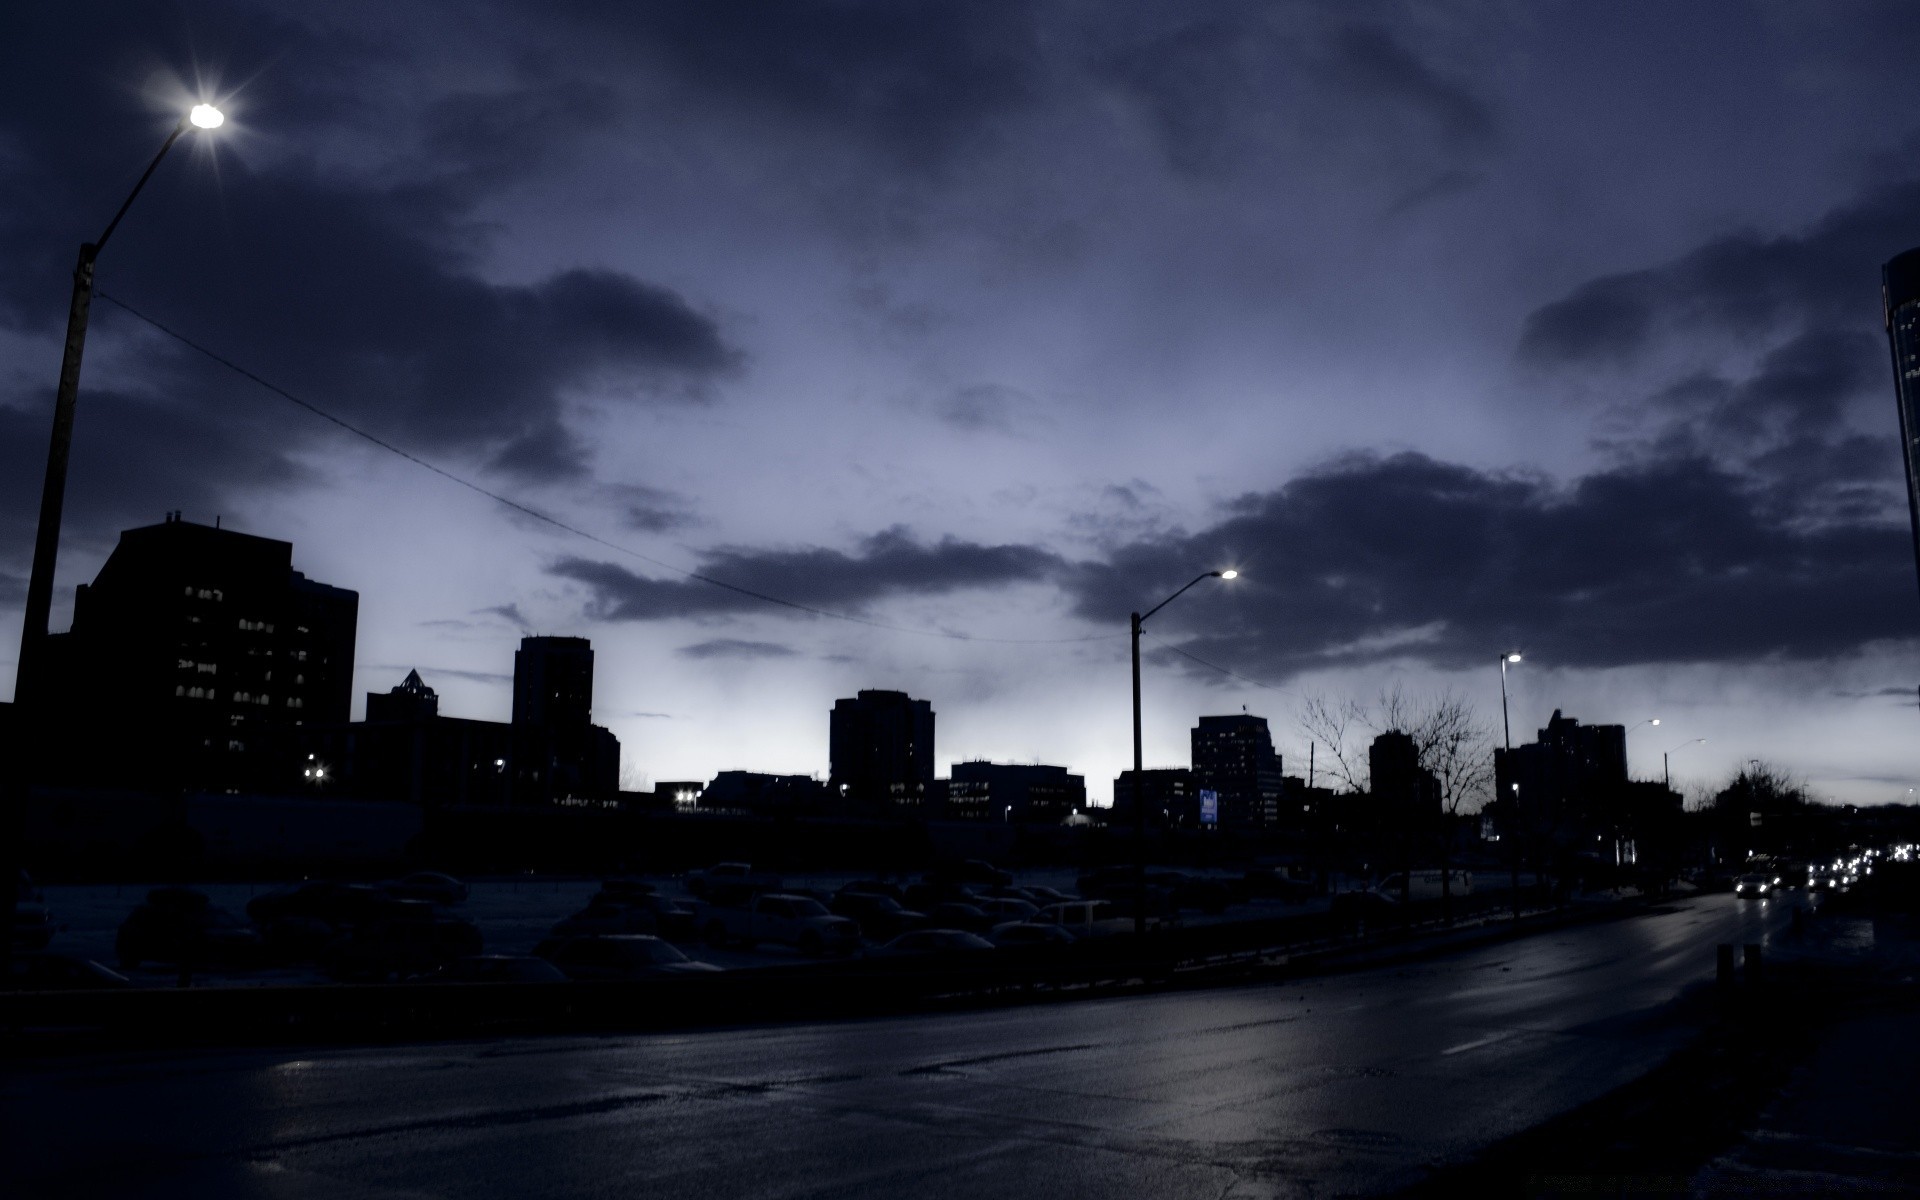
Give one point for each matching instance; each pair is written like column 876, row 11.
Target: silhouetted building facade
column 1018, row 792
column 1406, row 792
column 764, row 795
column 1900, row 294
column 1233, row 757
column 560, row 755
column 410, row 700
column 1167, row 793
column 880, row 744
column 203, row 649
column 405, row 750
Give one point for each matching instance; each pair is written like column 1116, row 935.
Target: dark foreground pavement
column 1351, row 1084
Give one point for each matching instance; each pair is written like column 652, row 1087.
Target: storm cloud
column 1380, row 558
column 887, row 564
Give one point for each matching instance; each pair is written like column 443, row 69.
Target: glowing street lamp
column 1513, row 810
column 1139, row 785
column 46, row 543
column 1666, row 776
column 28, row 670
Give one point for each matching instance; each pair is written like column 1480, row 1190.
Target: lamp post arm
column 144, row 176
column 1170, row 599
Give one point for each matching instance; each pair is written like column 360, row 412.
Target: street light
column 1666, row 776
column 1513, row 809
column 46, row 542
column 1139, row 796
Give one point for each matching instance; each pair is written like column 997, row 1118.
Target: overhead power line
column 1214, row 666
column 555, row 522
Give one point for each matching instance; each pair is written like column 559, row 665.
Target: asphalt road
column 1338, row 1085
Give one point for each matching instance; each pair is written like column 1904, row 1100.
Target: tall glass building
column 1900, row 281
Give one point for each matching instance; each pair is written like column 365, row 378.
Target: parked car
column 340, row 905
column 649, row 913
column 925, row 895
column 880, row 917
column 180, row 925
column 1363, row 904
column 1031, row 933
column 1430, row 884
column 436, row 886
column 1757, row 887
column 401, row 947
column 798, row 921
column 1185, row 890
column 874, row 887
column 1276, row 883
column 620, row 957
column 971, row 872
column 919, row 942
column 954, row 915
column 498, row 968
column 730, row 881
column 1090, row 918
column 1044, row 896
column 38, row 971
column 1004, row 909
column 623, row 890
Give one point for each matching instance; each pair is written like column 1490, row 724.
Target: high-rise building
column 1900, row 294
column 560, row 755
column 1233, row 757
column 553, row 682
column 192, row 654
column 1565, row 777
column 880, row 745
column 1397, row 780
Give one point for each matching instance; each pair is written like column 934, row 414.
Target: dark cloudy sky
column 1454, row 327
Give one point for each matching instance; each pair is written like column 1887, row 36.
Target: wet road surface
column 1347, row 1084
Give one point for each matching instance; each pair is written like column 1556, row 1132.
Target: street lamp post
column 1139, row 785
column 27, row 675
column 1513, row 798
column 1666, row 776
column 53, row 490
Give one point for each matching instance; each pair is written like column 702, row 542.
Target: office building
column 1233, row 757
column 1404, row 790
column 406, row 751
column 1017, row 792
column 880, row 745
column 1167, row 793
column 196, row 650
column 560, row 756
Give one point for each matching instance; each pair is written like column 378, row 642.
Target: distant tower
column 559, row 753
column 1900, row 293
column 881, row 749
column 1233, row 757
column 412, row 700
column 553, row 682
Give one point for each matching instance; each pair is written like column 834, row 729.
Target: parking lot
column 513, row 914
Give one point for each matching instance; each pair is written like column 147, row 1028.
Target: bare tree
column 1335, row 728
column 1449, row 744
